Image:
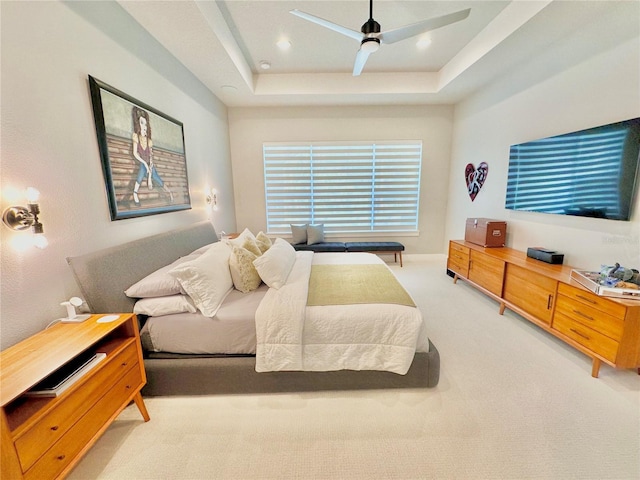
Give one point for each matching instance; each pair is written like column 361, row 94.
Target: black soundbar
column 548, row 256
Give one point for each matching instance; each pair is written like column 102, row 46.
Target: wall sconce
column 21, row 218
column 212, row 199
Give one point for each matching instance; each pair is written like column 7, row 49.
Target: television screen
column 589, row 173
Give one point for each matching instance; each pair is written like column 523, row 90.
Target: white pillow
column 154, row 307
column 160, row 283
column 244, row 274
column 206, row 279
column 275, row 264
column 201, row 250
column 239, row 240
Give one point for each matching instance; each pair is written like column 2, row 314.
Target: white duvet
column 292, row 336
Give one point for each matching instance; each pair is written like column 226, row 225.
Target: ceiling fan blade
column 327, row 24
column 408, row 31
column 361, row 59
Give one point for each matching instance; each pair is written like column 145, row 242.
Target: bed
column 105, row 275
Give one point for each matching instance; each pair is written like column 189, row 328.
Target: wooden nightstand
column 45, row 437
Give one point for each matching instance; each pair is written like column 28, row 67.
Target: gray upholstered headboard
column 103, row 276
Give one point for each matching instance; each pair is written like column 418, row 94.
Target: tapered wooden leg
column 141, row 406
column 595, row 368
column 502, row 308
column 400, row 259
column 455, row 278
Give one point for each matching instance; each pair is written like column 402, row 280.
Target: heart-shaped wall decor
column 475, row 178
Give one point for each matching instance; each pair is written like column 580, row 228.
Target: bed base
column 180, row 375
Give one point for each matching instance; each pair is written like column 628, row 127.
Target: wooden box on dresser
column 45, row 437
column 606, row 329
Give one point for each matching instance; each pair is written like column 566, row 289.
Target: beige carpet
column 512, row 403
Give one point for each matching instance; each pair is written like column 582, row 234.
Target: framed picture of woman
column 142, row 152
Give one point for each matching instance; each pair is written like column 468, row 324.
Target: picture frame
column 142, row 152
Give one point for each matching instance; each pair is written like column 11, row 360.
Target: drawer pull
column 586, row 299
column 128, row 387
column 124, row 364
column 580, row 334
column 60, row 457
column 54, row 428
column 549, row 302
column 584, row 315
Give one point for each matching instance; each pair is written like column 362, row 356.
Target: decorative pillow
column 276, row 263
column 298, row 234
column 244, row 275
column 263, row 241
column 251, row 245
column 315, row 233
column 154, row 307
column 207, row 279
column 160, row 283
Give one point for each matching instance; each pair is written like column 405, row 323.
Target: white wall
column 49, row 142
column 600, row 90
column 250, row 127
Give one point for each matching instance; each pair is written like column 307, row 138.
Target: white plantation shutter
column 353, row 187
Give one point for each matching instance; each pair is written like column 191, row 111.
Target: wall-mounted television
column 589, row 173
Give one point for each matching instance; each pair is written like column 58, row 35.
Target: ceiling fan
column 370, row 36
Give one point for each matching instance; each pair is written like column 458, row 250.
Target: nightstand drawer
column 591, row 317
column 585, row 336
column 35, row 441
column 53, row 462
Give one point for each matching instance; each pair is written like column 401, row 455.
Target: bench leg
column 399, row 253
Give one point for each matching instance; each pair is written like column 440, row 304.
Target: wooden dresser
column 604, row 328
column 45, row 437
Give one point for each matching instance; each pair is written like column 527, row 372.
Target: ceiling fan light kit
column 370, row 36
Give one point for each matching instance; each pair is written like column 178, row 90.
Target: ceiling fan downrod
column 370, row 42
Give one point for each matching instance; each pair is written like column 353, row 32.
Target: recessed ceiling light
column 228, row 88
column 283, row 44
column 423, row 43
column 264, row 65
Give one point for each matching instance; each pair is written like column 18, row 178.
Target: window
column 353, row 187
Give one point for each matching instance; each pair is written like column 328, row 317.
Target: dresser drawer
column 458, row 260
column 459, row 267
column 63, row 452
column 585, row 336
column 455, row 248
column 591, row 317
column 35, row 441
column 593, row 300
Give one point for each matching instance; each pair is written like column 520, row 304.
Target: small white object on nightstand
column 108, row 318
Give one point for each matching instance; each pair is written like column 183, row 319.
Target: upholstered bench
column 370, row 247
column 377, row 247
column 322, row 247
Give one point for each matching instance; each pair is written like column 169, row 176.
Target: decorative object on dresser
column 545, row 255
column 45, row 436
column 485, row 232
column 605, row 329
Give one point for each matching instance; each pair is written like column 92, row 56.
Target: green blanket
column 354, row 284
